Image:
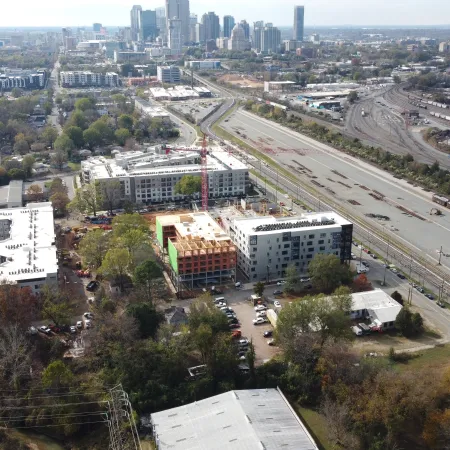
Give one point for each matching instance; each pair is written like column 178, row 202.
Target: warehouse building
column 28, row 246
column 150, row 176
column 254, row 419
column 268, row 245
column 200, row 252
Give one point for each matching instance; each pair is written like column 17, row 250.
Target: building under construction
column 200, row 252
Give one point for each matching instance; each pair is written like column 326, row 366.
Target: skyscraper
column 211, row 24
column 270, row 39
column 256, row 38
column 161, row 23
column 175, row 36
column 135, row 21
column 179, row 9
column 148, row 29
column 246, row 27
column 299, row 21
column 237, row 42
column 228, row 25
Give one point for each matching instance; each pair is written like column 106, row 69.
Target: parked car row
column 51, row 330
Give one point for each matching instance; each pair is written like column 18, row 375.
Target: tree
column 188, row 185
column 121, row 135
column 57, row 375
column 21, row 147
column 105, row 131
column 78, row 119
column 87, row 200
column 127, row 222
column 397, row 79
column 361, row 283
column 55, row 306
column 408, row 323
column 111, row 193
column 59, row 159
column 258, row 288
column 27, row 164
column 204, row 312
column 15, row 357
column 75, row 134
column 18, row 306
column 35, row 193
column 64, row 143
column 327, row 272
column 147, row 273
column 292, row 278
column 49, row 135
column 85, row 103
column 125, row 121
column 115, row 265
column 94, row 247
column 352, row 96
column 147, row 317
column 16, row 92
column 397, row 297
column 60, row 201
column 92, row 138
column 17, row 174
column 57, row 185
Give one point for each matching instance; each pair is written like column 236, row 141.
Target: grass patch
column 438, row 357
column 76, row 167
column 316, row 425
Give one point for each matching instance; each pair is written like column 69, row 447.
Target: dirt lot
column 244, row 81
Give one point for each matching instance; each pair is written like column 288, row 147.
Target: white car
column 260, row 308
column 259, row 321
column 305, row 280
column 271, row 342
column 280, row 283
column 32, row 330
column 261, row 314
column 277, row 304
column 87, row 323
column 243, row 342
column 79, row 324
column 88, row 315
column 73, row 329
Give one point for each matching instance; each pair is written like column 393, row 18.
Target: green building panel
column 173, row 257
column 159, row 232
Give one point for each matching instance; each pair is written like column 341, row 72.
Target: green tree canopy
column 88, row 199
column 83, row 104
column 258, row 288
column 127, row 222
column 116, row 264
column 125, row 121
column 327, row 272
column 147, row 317
column 122, row 135
column 92, row 138
column 76, row 135
column 64, row 143
column 189, row 185
column 49, row 135
column 408, row 323
column 93, row 247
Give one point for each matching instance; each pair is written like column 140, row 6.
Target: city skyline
column 318, row 12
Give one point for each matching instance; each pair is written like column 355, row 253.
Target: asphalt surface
column 384, row 125
column 349, row 182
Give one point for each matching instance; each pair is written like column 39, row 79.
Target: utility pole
column 440, row 256
column 386, row 264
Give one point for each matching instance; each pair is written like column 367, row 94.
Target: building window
column 321, row 241
column 309, row 256
column 311, row 236
column 310, row 249
column 322, row 235
column 322, row 249
column 309, row 243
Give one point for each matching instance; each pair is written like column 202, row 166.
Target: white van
column 219, row 300
column 357, row 330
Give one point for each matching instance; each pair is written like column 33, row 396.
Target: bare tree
column 15, row 356
column 111, row 193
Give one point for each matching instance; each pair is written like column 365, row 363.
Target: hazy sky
column 280, row 12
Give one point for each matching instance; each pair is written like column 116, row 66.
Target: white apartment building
column 78, row 78
column 267, row 245
column 150, row 176
column 168, row 74
column 28, row 246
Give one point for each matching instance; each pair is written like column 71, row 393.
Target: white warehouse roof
column 27, row 245
column 378, row 303
column 236, row 420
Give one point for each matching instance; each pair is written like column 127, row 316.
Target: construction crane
column 203, row 151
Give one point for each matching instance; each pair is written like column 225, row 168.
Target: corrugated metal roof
column 240, row 420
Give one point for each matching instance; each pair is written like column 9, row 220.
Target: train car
column 439, row 199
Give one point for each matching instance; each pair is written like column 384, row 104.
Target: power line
column 51, row 396
column 7, row 408
column 45, row 416
column 60, row 425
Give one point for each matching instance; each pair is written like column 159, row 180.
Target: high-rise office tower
column 237, row 41
column 161, row 23
column 211, row 24
column 175, row 36
column 270, row 39
column 228, row 25
column 256, row 38
column 199, row 33
column 192, row 23
column 179, row 9
column 148, row 30
column 246, row 27
column 135, row 15
column 97, row 27
column 299, row 22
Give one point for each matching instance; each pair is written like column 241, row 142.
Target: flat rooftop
column 198, row 225
column 27, row 245
column 154, row 162
column 378, row 303
column 239, row 420
column 270, row 224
